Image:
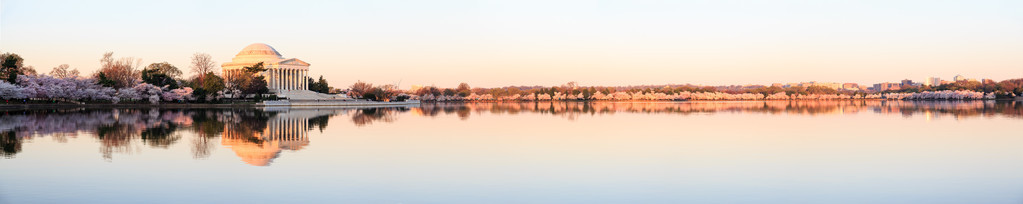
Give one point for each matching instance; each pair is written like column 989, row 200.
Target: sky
column 525, row 42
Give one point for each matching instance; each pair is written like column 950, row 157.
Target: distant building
column 832, row 85
column 415, row 88
column 959, row 78
column 851, row 86
column 886, row 86
column 777, row 85
column 906, row 83
column 932, row 81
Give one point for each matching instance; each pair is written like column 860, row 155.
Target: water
column 622, row 152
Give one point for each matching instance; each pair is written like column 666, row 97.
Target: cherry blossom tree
column 10, row 91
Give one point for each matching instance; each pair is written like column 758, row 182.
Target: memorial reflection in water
column 258, row 143
column 259, row 135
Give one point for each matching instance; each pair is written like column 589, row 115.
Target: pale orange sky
column 501, row 43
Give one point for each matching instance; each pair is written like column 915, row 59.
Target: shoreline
column 9, row 106
column 383, row 104
column 179, row 105
column 858, row 99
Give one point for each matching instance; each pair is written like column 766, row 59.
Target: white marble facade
column 281, row 74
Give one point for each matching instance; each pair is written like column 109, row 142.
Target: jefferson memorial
column 284, row 77
column 281, row 74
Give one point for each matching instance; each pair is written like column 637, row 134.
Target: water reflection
column 259, row 135
column 572, row 110
column 367, row 116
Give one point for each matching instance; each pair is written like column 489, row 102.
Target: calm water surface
column 561, row 152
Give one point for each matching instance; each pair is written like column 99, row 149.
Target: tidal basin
column 848, row 151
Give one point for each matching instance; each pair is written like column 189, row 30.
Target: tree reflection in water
column 207, row 126
column 572, row 110
column 259, row 135
column 10, row 143
column 116, row 137
column 319, row 122
column 366, row 116
column 122, row 130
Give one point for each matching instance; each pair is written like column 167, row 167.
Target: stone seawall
column 336, row 103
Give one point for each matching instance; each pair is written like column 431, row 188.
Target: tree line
column 124, row 80
column 572, row 91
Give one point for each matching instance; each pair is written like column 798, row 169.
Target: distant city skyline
column 525, row 43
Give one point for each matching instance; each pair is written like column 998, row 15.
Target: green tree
column 165, row 69
column 161, row 74
column 213, row 83
column 322, row 86
column 10, row 68
column 319, row 86
column 255, row 85
column 248, row 83
column 463, row 89
column 102, row 80
column 256, row 68
column 206, row 84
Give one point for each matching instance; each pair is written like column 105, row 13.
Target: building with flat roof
column 886, row 86
column 932, row 81
column 959, row 78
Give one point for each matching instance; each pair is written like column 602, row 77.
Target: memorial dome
column 257, row 52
